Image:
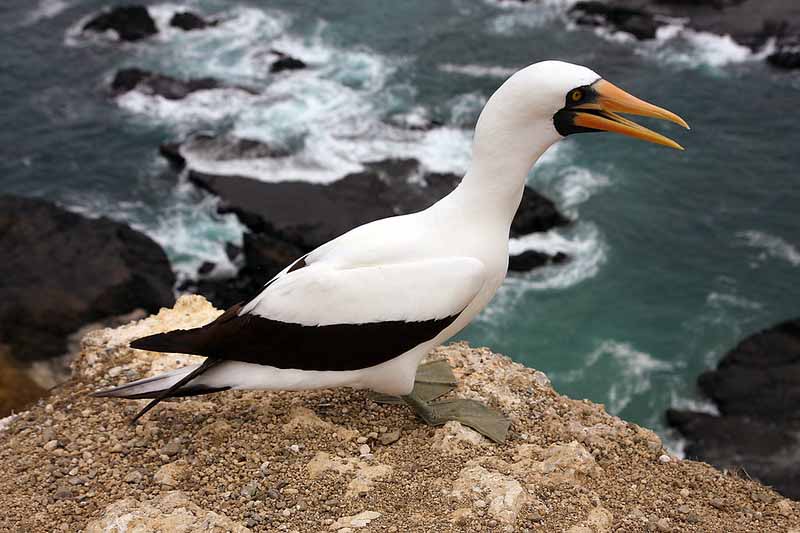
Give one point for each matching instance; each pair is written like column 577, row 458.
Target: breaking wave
column 634, row 370
column 770, row 246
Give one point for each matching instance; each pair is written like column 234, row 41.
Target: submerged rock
column 129, row 79
column 131, row 23
column 189, row 21
column 756, row 388
column 61, row 270
column 285, row 62
column 639, row 23
column 218, row 148
column 295, row 461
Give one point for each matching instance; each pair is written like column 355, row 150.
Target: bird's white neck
column 505, row 147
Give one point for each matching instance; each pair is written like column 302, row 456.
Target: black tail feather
column 170, row 392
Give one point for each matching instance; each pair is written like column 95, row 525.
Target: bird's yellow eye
column 576, row 95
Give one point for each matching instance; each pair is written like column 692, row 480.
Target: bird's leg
column 434, row 379
column 474, row 414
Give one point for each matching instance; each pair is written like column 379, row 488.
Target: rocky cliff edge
column 335, row 461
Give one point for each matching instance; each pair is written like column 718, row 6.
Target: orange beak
column 601, row 114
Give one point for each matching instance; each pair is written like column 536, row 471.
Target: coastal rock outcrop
column 61, row 270
column 756, row 388
column 130, row 79
column 189, row 21
column 130, row 23
column 332, row 460
column 752, row 23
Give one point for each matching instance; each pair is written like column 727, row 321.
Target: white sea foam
column 189, row 229
column 524, row 16
column 193, row 232
column 634, row 370
column 718, row 300
column 45, row 9
column 584, row 245
column 197, row 108
column 770, row 246
column 478, row 71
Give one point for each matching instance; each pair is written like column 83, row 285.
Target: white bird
column 363, row 310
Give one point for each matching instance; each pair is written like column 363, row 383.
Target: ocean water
column 676, row 255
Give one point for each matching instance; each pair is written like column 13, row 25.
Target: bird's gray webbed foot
column 471, row 413
column 435, row 379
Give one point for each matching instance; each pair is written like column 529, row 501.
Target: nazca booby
column 363, row 309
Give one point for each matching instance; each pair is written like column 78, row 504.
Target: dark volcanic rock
column 61, row 270
column 384, row 188
column 265, row 256
column 218, row 148
column 130, row 79
column 786, row 56
column 188, row 21
column 530, row 259
column 286, row 62
column 637, row 22
column 131, row 23
column 756, row 387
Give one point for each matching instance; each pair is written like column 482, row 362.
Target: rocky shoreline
column 62, row 271
column 751, row 23
column 756, row 388
column 332, row 460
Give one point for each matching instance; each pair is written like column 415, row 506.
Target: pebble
column 51, row 445
column 250, row 490
column 134, row 476
column 684, row 509
column 717, row 503
column 663, row 525
column 294, row 448
column 664, row 458
column 685, row 493
column 390, row 437
column 264, row 468
column 361, row 440
column 172, row 448
column 364, row 449
column 62, row 493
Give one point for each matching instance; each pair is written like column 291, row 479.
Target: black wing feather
column 253, row 339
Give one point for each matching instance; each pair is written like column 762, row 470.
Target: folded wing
column 319, row 317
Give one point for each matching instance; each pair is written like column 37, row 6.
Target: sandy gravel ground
column 335, row 461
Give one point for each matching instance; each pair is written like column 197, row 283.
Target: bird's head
column 564, row 99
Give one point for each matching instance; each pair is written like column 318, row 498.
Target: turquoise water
column 677, row 255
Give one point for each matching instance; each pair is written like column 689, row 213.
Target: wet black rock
column 382, row 189
column 188, row 21
column 637, row 22
column 530, row 259
column 61, row 270
column 147, row 82
column 756, row 388
column 285, row 62
column 131, row 23
column 219, row 148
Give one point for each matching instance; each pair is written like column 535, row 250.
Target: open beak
column 601, row 114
